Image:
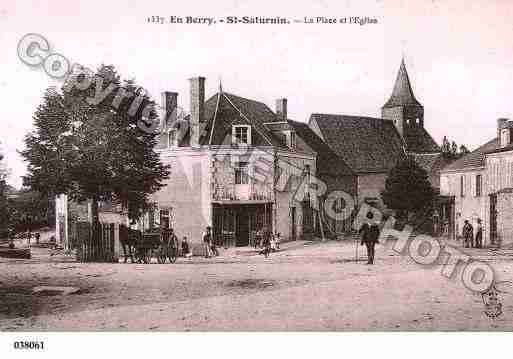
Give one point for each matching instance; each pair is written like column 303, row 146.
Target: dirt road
column 307, row 286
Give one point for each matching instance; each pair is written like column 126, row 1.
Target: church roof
column 402, row 93
column 366, row 144
column 419, row 140
column 328, row 162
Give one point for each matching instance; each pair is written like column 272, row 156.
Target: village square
column 229, row 215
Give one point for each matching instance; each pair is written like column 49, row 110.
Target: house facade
column 236, row 166
column 481, row 184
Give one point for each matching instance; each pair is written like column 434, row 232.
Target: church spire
column 402, row 93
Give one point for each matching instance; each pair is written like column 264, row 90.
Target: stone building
column 481, row 184
column 236, row 166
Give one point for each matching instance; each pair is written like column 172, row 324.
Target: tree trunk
column 95, row 217
column 95, row 230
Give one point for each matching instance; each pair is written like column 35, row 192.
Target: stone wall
column 187, row 192
column 370, row 186
column 505, row 218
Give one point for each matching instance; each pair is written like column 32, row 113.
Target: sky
column 459, row 56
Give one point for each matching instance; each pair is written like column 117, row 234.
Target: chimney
column 281, row 109
column 501, row 124
column 169, row 104
column 197, row 94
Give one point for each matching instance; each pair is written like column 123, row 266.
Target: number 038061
column 30, row 345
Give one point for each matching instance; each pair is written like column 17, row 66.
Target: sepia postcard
column 254, row 166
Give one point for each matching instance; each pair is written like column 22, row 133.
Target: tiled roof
column 224, row 110
column 402, row 93
column 474, row 158
column 418, row 140
column 327, row 161
column 367, row 145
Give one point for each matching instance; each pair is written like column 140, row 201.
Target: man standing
column 468, row 235
column 370, row 234
column 207, row 240
column 479, row 234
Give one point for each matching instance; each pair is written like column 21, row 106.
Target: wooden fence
column 95, row 243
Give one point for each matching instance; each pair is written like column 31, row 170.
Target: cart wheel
column 147, row 257
column 172, row 255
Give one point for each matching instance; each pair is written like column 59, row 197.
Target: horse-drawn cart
column 156, row 245
column 144, row 246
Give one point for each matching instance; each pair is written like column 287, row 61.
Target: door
column 242, row 228
column 493, row 219
column 293, row 220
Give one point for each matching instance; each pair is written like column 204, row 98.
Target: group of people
column 267, row 241
column 469, row 240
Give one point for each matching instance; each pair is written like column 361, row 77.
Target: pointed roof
column 402, row 93
column 224, row 110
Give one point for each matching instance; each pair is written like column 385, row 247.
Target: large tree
column 407, row 188
column 92, row 149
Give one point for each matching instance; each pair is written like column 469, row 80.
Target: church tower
column 403, row 108
column 407, row 115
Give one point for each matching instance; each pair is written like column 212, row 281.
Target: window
column 478, row 185
column 307, row 173
column 462, row 186
column 241, row 173
column 165, row 218
column 241, row 135
column 171, row 136
column 292, row 139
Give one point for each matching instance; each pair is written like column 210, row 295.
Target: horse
column 128, row 238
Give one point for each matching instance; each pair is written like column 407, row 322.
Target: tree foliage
column 30, row 210
column 92, row 150
column 407, row 188
column 450, row 149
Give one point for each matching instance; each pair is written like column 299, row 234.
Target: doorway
column 242, row 229
column 493, row 219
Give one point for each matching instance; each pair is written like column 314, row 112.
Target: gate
column 95, row 243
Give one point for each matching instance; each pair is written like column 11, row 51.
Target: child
column 273, row 243
column 277, row 241
column 185, row 248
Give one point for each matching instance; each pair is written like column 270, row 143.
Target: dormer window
column 241, row 135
